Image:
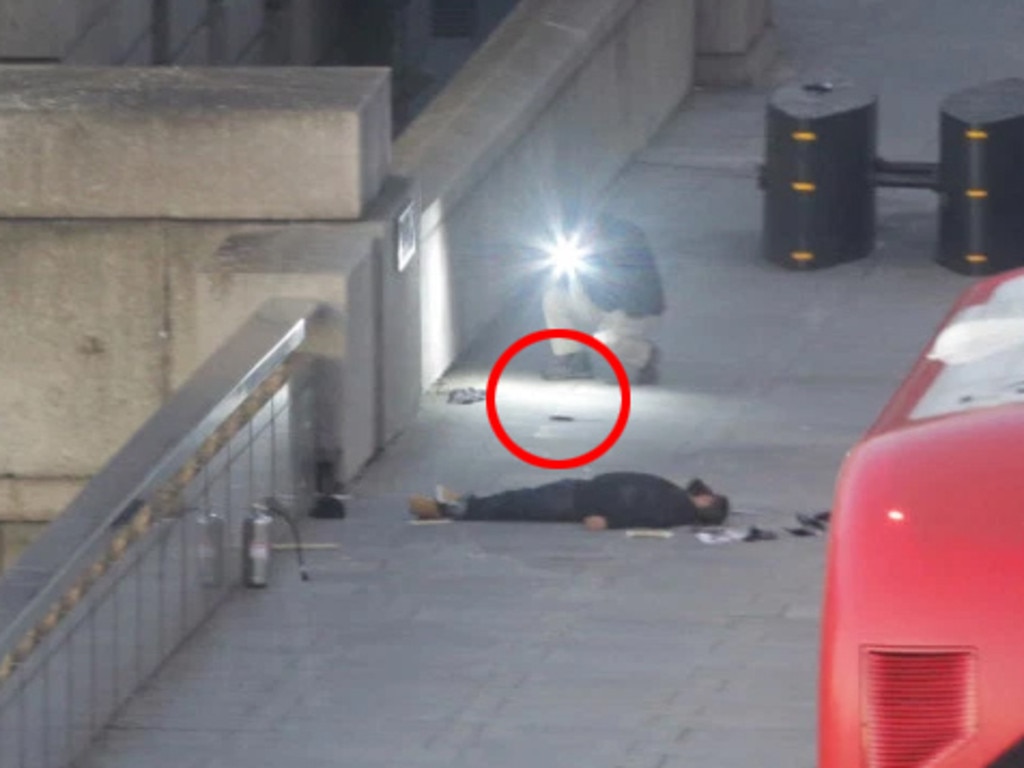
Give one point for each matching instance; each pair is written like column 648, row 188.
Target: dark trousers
column 549, row 503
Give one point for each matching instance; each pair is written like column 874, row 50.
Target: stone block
column 730, row 26
column 83, row 347
column 329, row 264
column 104, row 320
column 224, row 144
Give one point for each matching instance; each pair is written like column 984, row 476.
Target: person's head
column 712, row 508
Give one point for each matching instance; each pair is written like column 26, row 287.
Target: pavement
column 506, row 645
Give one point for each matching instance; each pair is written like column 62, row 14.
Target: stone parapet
column 226, row 144
column 104, row 320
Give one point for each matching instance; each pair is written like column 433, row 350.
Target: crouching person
column 606, row 283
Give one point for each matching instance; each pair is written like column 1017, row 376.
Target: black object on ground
column 760, row 534
column 328, row 508
column 466, row 396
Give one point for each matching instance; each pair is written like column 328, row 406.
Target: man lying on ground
column 612, row 500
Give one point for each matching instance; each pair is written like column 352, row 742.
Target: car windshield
column 982, row 351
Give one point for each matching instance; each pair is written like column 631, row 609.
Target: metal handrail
column 139, row 485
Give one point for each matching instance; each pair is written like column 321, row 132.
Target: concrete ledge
column 241, row 144
column 349, row 266
column 104, row 320
column 748, row 68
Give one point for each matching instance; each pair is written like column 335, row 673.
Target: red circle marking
column 574, row 461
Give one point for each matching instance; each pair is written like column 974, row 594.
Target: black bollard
column 981, row 179
column 818, row 176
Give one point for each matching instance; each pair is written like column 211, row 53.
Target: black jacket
column 637, row 500
column 621, row 273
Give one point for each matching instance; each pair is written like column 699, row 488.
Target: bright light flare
column 566, row 254
column 896, row 515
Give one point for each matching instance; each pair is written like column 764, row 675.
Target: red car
column 923, row 630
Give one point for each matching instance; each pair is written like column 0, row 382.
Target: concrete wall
column 106, row 319
column 552, row 106
column 108, row 300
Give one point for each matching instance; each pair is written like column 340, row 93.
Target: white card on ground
column 649, row 533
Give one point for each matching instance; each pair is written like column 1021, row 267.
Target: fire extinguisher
column 256, row 543
column 211, row 547
column 256, row 548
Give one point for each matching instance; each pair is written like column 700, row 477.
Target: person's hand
column 595, row 523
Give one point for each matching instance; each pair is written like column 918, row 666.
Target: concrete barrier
column 265, row 143
column 350, row 267
column 552, row 106
column 123, row 277
column 103, row 321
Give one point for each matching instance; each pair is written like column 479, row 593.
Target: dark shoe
column 569, row 367
column 760, row 534
column 811, row 521
column 329, row 508
column 650, row 372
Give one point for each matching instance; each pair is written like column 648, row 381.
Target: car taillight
column 918, row 705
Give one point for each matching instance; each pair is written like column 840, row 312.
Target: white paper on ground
column 722, row 535
column 649, row 533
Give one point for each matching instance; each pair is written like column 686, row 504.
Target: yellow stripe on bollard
column 976, row 258
column 976, row 134
column 802, row 256
column 805, row 136
column 977, row 194
column 804, row 186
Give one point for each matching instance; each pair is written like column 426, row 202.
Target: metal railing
column 116, row 583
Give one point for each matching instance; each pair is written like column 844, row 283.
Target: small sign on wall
column 406, row 236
